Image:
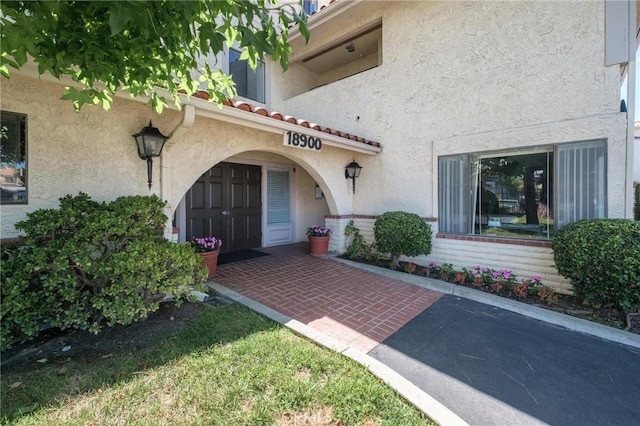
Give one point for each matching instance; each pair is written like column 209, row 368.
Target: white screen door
column 279, row 229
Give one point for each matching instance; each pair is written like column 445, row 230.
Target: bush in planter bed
column 88, row 264
column 601, row 257
column 401, row 233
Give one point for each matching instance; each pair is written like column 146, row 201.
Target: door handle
column 224, row 212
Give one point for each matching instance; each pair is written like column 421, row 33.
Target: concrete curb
column 571, row 323
column 423, row 401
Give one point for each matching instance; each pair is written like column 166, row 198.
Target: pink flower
column 205, row 244
column 318, row 231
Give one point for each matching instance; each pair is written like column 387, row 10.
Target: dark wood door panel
column 216, row 196
column 196, row 227
column 254, row 227
column 226, row 202
column 236, row 193
column 196, row 198
column 253, row 196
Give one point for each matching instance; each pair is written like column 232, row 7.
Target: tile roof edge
column 278, row 116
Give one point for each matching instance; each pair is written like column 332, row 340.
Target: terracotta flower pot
column 318, row 246
column 210, row 259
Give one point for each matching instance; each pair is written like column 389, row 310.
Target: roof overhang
column 248, row 119
column 229, row 114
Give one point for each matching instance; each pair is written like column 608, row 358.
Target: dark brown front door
column 225, row 202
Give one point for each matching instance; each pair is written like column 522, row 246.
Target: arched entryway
column 250, row 200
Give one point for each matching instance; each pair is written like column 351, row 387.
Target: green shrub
column 601, row 257
column 88, row 264
column 358, row 249
column 401, row 233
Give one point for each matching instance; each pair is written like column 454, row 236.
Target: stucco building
column 498, row 122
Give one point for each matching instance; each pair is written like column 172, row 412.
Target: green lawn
column 231, row 366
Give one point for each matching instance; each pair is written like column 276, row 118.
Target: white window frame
column 266, row 72
column 591, row 153
column 281, row 232
column 24, row 171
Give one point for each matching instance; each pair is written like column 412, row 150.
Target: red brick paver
column 353, row 306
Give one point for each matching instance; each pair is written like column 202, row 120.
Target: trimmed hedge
column 601, row 258
column 87, row 265
column 401, row 233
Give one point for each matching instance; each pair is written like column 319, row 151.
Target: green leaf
column 138, row 45
column 118, row 17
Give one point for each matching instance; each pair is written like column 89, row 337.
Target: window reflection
column 250, row 83
column 513, row 195
column 13, row 164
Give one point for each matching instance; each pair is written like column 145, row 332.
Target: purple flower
column 433, row 265
column 536, row 278
column 319, row 231
column 205, row 244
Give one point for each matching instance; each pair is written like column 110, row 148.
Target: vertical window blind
column 278, row 197
column 581, row 180
column 453, row 175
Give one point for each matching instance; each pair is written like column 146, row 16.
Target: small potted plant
column 209, row 249
column 318, row 240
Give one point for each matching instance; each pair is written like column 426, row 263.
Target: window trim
column 26, row 158
column 471, row 157
column 248, row 67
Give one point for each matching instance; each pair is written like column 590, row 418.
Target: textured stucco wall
column 351, row 68
column 461, row 77
column 93, row 152
column 194, row 150
column 455, row 77
column 464, row 70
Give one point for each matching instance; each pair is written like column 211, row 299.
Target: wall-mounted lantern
column 352, row 171
column 150, row 142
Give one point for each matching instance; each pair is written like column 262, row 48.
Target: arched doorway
column 252, row 199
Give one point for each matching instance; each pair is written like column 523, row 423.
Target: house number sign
column 300, row 140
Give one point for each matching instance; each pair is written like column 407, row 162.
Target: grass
column 231, row 366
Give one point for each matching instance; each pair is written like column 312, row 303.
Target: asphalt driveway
column 494, row 367
column 457, row 359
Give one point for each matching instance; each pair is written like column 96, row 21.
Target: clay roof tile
column 259, row 110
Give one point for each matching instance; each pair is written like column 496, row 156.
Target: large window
column 249, row 83
column 522, row 194
column 13, row 158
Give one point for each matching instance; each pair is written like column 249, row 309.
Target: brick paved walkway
column 353, row 306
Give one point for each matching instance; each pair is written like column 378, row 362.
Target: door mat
column 236, row 256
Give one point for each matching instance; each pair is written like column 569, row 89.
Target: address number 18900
column 300, row 140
